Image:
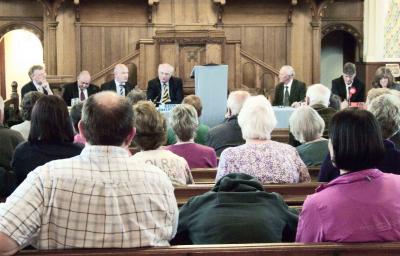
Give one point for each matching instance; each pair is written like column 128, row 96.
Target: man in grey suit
column 289, row 90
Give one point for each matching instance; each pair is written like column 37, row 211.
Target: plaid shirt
column 101, row 198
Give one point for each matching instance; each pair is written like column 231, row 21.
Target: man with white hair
column 9, row 139
column 229, row 133
column 120, row 83
column 165, row 88
column 81, row 89
column 289, row 90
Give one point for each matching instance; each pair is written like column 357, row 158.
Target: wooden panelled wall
column 260, row 35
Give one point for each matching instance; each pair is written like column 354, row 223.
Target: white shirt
column 347, row 90
column 101, row 198
column 41, row 88
column 288, row 85
column 118, row 87
column 173, row 165
column 23, row 128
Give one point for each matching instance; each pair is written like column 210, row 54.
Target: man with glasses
column 165, row 88
column 79, row 90
column 348, row 87
column 38, row 82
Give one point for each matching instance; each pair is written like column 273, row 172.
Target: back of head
column 107, row 119
column 136, row 95
column 236, row 100
column 195, row 101
column 376, row 92
column 386, row 109
column 257, row 118
column 356, row 139
column 151, row 127
column 306, row 124
column 76, row 114
column 184, row 121
column 50, row 121
column 349, row 69
column 28, row 102
column 318, row 94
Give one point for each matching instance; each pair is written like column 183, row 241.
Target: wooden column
column 51, row 66
column 316, row 51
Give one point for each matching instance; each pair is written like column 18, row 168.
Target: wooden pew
column 293, row 194
column 261, row 249
column 280, row 135
column 207, row 175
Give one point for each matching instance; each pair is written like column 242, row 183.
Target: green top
column 200, row 137
column 314, row 153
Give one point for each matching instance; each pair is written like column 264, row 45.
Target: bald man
column 165, row 88
column 81, row 89
column 120, row 84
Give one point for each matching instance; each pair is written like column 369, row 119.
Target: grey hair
column 1, row 104
column 184, row 121
column 386, row 109
column 306, row 124
column 257, row 118
column 318, row 94
column 236, row 100
column 289, row 70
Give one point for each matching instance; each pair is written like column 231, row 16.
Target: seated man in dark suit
column 120, row 84
column 165, row 88
column 289, row 90
column 38, row 81
column 81, row 89
column 348, row 87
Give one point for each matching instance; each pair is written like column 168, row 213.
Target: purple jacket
column 356, row 207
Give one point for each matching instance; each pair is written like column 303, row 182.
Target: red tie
column 82, row 96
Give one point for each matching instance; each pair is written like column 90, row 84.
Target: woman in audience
column 51, row 137
column 307, row 127
column 267, row 160
column 202, row 129
column 76, row 114
column 362, row 205
column 386, row 109
column 151, row 133
column 27, row 104
column 384, row 79
column 184, row 122
column 236, row 210
column 136, row 95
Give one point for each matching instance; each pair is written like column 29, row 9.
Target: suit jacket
column 175, row 90
column 297, row 93
column 339, row 88
column 29, row 87
column 71, row 91
column 111, row 86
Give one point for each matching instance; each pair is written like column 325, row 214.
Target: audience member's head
column 306, row 124
column 151, row 126
column 349, row 72
column 383, row 78
column 37, row 74
column 136, row 95
column 318, row 94
column 107, row 119
column 50, row 121
column 356, row 140
column 257, row 118
column 83, row 79
column 235, row 102
column 195, row 101
column 121, row 73
column 76, row 114
column 286, row 73
column 28, row 102
column 165, row 71
column 386, row 109
column 1, row 110
column 184, row 122
column 376, row 92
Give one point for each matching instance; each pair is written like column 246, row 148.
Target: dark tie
column 45, row 91
column 286, row 96
column 82, row 95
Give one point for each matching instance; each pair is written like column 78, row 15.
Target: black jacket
column 175, row 90
column 71, row 91
column 111, row 86
column 297, row 93
column 339, row 88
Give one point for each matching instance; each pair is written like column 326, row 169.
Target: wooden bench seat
column 293, row 194
column 262, row 249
